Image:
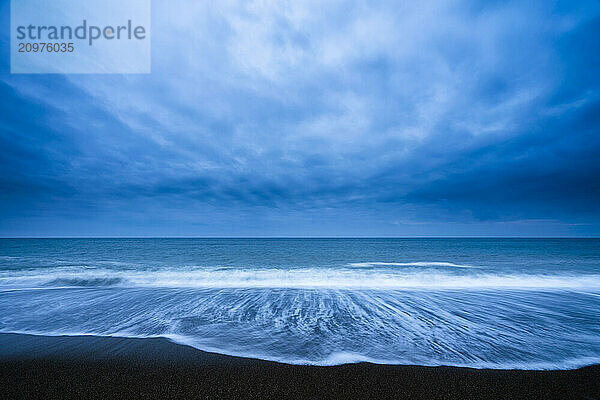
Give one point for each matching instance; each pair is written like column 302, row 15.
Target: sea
column 481, row 303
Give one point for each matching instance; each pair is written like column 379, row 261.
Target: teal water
column 493, row 303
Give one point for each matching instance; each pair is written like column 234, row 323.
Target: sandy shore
column 94, row 367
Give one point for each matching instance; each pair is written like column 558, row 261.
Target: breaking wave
column 298, row 278
column 410, row 264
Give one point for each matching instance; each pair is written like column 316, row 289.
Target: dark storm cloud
column 314, row 119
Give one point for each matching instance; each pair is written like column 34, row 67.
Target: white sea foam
column 315, row 278
column 411, row 264
column 526, row 329
column 335, row 358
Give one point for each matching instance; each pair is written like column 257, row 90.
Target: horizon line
column 299, row 237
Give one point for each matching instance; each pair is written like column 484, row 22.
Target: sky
column 312, row 118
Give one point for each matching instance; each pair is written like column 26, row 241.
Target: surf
column 297, row 278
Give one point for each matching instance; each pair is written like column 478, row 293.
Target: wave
column 411, row 264
column 300, row 278
column 337, row 358
column 86, row 282
column 269, row 315
column 504, row 330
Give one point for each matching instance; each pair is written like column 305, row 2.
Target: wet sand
column 98, row 367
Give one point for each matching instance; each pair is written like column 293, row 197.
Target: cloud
column 306, row 117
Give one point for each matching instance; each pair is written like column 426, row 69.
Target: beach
column 109, row 367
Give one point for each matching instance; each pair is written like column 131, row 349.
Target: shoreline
column 111, row 367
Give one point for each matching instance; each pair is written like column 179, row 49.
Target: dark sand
column 93, row 367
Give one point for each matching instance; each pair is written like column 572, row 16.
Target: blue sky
column 311, row 118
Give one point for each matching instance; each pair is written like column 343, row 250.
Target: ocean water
column 483, row 303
